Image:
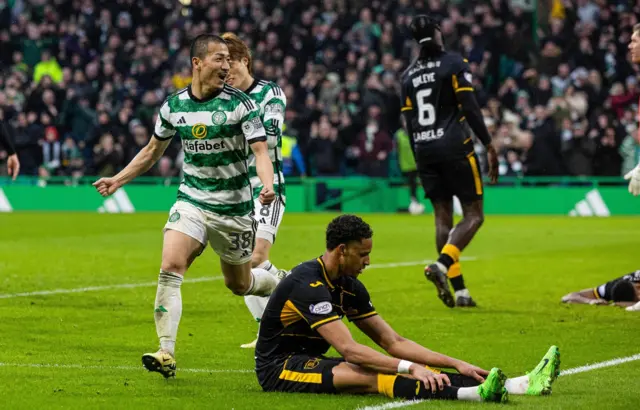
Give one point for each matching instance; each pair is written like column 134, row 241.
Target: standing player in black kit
column 440, row 108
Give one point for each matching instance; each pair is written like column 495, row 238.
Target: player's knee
column 174, row 265
column 480, row 219
column 476, row 221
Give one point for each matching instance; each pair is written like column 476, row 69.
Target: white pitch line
column 574, row 370
column 94, row 367
column 98, row 288
column 413, row 263
column 600, row 365
column 392, row 405
column 187, row 280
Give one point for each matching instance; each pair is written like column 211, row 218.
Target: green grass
column 523, row 266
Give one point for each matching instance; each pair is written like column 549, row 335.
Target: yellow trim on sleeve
column 464, row 89
column 323, row 321
column 363, row 316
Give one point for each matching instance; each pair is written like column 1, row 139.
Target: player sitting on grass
column 624, row 291
column 303, row 319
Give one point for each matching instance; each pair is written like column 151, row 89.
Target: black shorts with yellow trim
column 444, row 180
column 300, row 373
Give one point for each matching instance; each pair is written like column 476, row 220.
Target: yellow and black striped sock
column 455, row 277
column 394, row 386
column 450, row 254
column 385, row 384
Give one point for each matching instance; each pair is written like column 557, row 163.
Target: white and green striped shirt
column 272, row 103
column 214, row 134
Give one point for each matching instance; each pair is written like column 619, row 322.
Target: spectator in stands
column 544, row 153
column 578, row 148
column 51, row 150
column 108, row 156
column 373, row 145
column 72, row 159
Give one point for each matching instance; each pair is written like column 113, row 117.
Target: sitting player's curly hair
column 345, row 229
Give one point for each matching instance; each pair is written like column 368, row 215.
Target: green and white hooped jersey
column 272, row 103
column 215, row 134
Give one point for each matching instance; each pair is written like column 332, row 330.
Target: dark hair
column 200, row 45
column 623, row 291
column 345, row 229
column 426, row 31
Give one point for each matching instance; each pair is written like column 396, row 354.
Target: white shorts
column 269, row 218
column 231, row 237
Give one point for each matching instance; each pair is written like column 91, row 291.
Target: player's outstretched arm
column 384, row 336
column 264, row 168
column 338, row 335
column 140, row 164
column 584, row 297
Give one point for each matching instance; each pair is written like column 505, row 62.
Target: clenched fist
column 107, row 186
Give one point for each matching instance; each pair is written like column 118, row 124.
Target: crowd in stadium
column 81, row 81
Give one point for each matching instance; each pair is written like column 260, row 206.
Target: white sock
column 263, row 283
column 463, row 292
column 469, row 393
column 517, row 385
column 268, row 266
column 256, row 305
column 168, row 309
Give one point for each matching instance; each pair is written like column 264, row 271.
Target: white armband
column 403, row 366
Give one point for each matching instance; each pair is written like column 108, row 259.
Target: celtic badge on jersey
column 174, row 217
column 219, row 118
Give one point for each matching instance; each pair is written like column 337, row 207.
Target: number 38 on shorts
column 231, row 237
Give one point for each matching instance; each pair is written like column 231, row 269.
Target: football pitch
column 77, row 293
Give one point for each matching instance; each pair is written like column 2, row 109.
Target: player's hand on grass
column 267, row 195
column 107, row 186
column 430, row 379
column 13, row 166
column 470, row 370
column 598, row 302
column 492, row 157
column 633, row 177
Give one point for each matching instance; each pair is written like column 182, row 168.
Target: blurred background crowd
column 81, row 80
